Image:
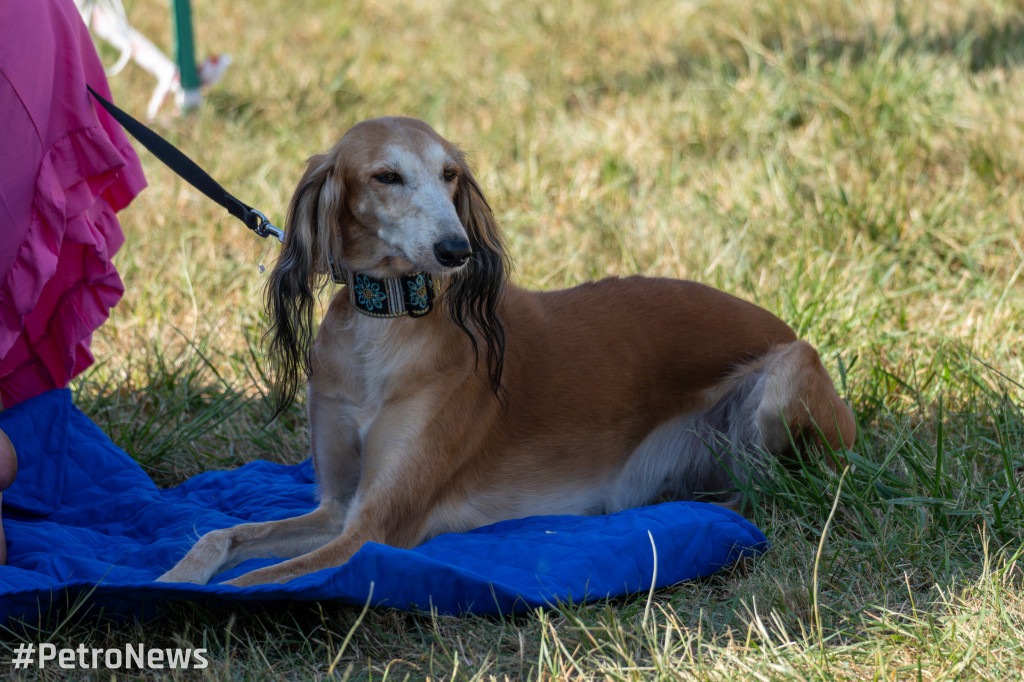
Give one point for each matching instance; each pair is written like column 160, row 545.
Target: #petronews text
column 132, row 656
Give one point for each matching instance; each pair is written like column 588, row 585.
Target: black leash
column 188, row 169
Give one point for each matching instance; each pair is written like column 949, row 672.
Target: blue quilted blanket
column 85, row 524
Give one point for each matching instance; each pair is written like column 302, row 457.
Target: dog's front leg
column 335, row 446
column 222, row 549
column 405, row 467
column 357, row 532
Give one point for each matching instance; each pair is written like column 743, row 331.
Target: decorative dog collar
column 411, row 295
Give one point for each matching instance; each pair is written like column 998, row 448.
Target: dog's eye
column 388, row 178
column 449, row 174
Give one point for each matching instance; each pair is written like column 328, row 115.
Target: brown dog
column 442, row 397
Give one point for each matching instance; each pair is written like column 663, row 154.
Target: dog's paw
column 175, row 575
column 206, row 558
column 190, row 570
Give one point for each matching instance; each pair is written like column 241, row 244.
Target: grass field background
column 855, row 167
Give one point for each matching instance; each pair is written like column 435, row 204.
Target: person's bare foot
column 8, row 470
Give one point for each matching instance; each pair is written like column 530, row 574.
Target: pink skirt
column 66, row 168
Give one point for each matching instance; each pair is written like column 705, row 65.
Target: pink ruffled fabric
column 65, row 170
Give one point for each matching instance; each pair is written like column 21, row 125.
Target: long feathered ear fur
column 473, row 299
column 312, row 244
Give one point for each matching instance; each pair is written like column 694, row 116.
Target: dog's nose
column 452, row 253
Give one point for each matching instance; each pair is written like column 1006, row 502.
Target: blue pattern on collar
column 368, row 293
column 411, row 295
column 418, row 292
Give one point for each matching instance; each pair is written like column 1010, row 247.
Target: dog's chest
column 372, row 362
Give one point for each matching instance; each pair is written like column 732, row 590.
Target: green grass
column 854, row 167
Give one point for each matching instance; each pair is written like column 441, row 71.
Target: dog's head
column 391, row 197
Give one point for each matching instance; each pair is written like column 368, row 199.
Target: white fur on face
column 415, row 213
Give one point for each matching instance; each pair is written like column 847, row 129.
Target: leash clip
column 265, row 228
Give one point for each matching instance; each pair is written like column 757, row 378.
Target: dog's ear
column 477, row 217
column 312, row 244
column 312, row 232
column 474, row 296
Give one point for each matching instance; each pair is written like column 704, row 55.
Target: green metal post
column 184, row 51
